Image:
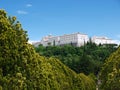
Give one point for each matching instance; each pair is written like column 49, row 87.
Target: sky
column 57, row 17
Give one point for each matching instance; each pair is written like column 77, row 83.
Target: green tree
column 87, row 59
column 110, row 73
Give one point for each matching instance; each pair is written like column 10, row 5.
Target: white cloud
column 28, row 5
column 22, row 12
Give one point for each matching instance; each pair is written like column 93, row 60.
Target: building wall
column 54, row 41
column 82, row 39
column 102, row 40
column 67, row 39
column 76, row 39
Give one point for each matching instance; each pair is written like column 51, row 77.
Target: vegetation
column 85, row 59
column 21, row 68
column 110, row 73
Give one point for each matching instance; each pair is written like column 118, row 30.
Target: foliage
column 21, row 68
column 86, row 82
column 110, row 73
column 85, row 59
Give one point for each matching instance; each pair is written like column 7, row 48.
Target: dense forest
column 85, row 59
column 23, row 67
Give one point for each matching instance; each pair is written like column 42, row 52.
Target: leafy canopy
column 110, row 73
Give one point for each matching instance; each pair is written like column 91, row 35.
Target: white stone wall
column 67, row 39
column 82, row 39
column 54, row 40
column 102, row 40
column 75, row 38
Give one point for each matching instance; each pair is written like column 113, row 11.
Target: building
column 36, row 44
column 76, row 39
column 102, row 40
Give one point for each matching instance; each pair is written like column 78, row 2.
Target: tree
column 87, row 59
column 110, row 73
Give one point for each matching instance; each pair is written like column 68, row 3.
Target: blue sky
column 58, row 17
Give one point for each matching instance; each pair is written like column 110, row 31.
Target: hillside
column 86, row 59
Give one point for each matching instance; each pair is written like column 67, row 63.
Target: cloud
column 28, row 5
column 22, row 12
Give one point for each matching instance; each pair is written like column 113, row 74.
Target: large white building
column 76, row 39
column 102, row 40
